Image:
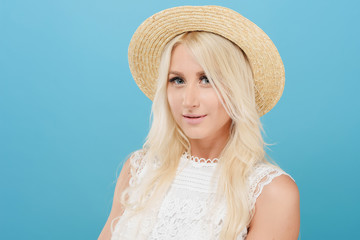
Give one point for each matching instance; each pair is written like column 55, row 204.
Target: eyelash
column 174, row 79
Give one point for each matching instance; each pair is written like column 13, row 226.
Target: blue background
column 70, row 112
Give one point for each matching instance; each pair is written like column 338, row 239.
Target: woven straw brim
column 155, row 32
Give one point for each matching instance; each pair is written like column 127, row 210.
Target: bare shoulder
column 277, row 211
column 281, row 189
column 122, row 181
column 117, row 209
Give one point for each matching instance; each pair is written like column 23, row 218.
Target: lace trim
column 200, row 162
column 262, row 176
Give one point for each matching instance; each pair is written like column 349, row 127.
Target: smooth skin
column 117, row 208
column 277, row 209
column 190, row 93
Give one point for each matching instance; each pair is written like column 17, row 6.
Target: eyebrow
column 182, row 75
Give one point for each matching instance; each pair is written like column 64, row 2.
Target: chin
column 194, row 134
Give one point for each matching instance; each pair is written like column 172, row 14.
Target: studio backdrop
column 71, row 113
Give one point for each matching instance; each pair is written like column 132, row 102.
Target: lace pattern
column 262, row 175
column 137, row 166
column 200, row 160
column 188, row 210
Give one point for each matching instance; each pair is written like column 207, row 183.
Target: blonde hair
column 229, row 71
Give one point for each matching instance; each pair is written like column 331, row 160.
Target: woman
column 202, row 173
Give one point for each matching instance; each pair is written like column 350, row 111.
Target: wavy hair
column 229, row 72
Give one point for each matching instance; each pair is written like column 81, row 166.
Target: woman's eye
column 204, row 80
column 176, row 81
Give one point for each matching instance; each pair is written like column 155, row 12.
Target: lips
column 194, row 116
column 194, row 119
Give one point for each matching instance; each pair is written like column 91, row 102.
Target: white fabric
column 187, row 211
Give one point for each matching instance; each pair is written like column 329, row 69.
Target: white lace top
column 187, row 211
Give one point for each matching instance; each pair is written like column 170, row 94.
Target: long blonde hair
column 229, row 71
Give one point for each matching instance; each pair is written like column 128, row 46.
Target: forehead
column 182, row 59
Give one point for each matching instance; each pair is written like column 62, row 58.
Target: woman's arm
column 277, row 211
column 116, row 209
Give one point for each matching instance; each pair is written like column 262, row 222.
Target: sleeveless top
column 187, row 211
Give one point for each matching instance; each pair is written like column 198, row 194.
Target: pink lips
column 194, row 119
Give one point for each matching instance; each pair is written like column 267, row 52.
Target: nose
column 191, row 97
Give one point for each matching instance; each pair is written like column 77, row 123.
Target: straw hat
column 155, row 32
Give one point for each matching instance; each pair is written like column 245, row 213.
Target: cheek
column 173, row 102
column 213, row 102
column 222, row 114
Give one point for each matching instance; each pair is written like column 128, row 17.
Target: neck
column 208, row 148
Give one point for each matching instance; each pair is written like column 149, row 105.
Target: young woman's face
column 193, row 101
